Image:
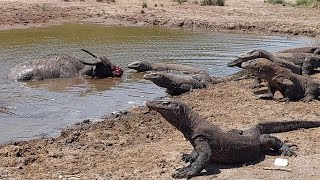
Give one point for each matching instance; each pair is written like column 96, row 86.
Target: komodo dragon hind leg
column 256, row 83
column 268, row 142
column 270, row 94
column 203, row 150
column 307, row 66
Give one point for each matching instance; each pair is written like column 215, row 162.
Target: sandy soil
column 139, row 144
column 236, row 15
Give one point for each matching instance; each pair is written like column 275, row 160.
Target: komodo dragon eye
column 166, row 103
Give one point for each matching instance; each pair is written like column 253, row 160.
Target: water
column 44, row 107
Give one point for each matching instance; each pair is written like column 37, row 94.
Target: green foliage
column 212, row 2
column 181, row 1
column 308, row 2
column 144, row 4
column 275, row 1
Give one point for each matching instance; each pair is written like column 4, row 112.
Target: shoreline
column 236, row 16
column 140, row 144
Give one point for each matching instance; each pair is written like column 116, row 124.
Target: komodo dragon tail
column 243, row 74
column 278, row 127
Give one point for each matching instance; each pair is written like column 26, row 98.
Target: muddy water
column 42, row 108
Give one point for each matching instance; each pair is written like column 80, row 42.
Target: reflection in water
column 78, row 85
column 42, row 108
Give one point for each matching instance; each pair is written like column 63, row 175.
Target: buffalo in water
column 64, row 66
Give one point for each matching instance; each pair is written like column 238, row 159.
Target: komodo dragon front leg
column 190, row 157
column 194, row 155
column 203, row 151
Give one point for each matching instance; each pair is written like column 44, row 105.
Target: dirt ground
column 139, row 144
column 236, row 15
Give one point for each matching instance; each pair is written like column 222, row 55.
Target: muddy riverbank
column 245, row 16
column 139, row 144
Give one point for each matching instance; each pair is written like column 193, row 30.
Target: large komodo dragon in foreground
column 179, row 84
column 63, row 66
column 143, row 66
column 292, row 86
column 212, row 144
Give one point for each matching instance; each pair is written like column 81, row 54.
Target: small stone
column 281, row 162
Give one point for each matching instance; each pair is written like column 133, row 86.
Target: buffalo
column 64, row 66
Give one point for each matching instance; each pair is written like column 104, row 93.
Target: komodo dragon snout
column 139, row 66
column 253, row 54
column 163, row 105
column 257, row 63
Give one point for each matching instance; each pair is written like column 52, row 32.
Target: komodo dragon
column 175, row 84
column 212, row 144
column 179, row 84
column 142, row 66
column 259, row 53
column 299, row 63
column 291, row 86
column 308, row 49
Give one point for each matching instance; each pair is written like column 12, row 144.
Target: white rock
column 281, row 162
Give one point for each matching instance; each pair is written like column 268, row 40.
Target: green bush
column 181, row 1
column 308, row 2
column 144, row 4
column 212, row 2
column 275, row 1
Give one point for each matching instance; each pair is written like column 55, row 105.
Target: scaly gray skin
column 175, row 84
column 142, row 66
column 307, row 61
column 292, row 86
column 299, row 63
column 259, row 53
column 310, row 49
column 212, row 144
column 60, row 66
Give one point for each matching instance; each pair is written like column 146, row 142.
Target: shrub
column 308, row 3
column 212, row 2
column 275, row 1
column 144, row 4
column 181, row 1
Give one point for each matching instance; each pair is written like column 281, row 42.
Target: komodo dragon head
column 263, row 68
column 159, row 78
column 140, row 66
column 173, row 111
column 253, row 54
